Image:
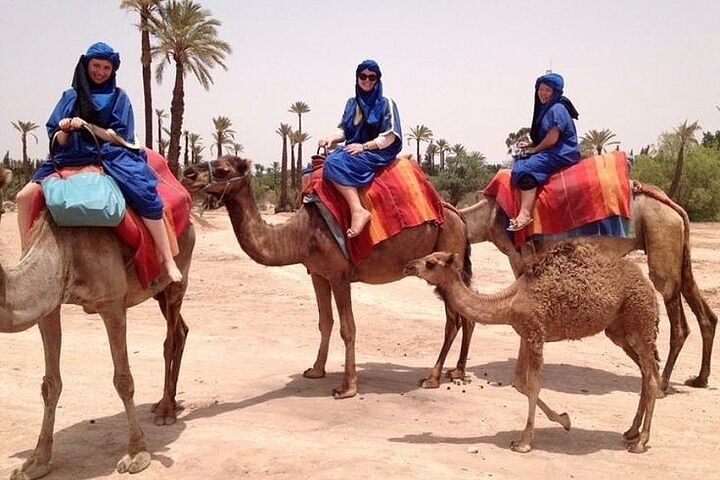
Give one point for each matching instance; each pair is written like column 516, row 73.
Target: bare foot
column 360, row 219
column 173, row 271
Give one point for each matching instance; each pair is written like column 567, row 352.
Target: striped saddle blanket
column 591, row 198
column 399, row 197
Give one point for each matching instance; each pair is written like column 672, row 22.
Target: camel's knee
column 26, row 194
column 51, row 388
column 124, row 385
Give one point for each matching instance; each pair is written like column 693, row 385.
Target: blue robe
column 563, row 154
column 358, row 170
column 129, row 168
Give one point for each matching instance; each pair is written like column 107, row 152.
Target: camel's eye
column 222, row 171
column 429, row 264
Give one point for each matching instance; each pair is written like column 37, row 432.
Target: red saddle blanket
column 399, row 197
column 594, row 189
column 132, row 231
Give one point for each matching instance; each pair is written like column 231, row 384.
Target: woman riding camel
column 554, row 144
column 95, row 99
column 370, row 128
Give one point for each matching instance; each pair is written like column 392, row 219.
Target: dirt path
column 249, row 413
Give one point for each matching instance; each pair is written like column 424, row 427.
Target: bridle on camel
column 226, row 183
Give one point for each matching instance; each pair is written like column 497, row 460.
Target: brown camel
column 305, row 238
column 92, row 268
column 572, row 292
column 662, row 230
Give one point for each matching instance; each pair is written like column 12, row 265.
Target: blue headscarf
column 91, row 97
column 556, row 82
column 370, row 103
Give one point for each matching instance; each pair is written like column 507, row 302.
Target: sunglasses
column 372, row 77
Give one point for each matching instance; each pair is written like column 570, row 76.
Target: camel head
column 438, row 268
column 219, row 177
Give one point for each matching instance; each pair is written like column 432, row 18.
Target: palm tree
column 284, row 131
column 430, row 152
column 686, row 135
column 420, row 133
column 595, row 141
column 187, row 37
column 25, row 129
column 237, row 148
column 299, row 108
column 162, row 146
column 298, row 138
column 224, row 135
column 195, row 146
column 186, row 134
column 160, row 113
column 442, row 147
column 145, row 9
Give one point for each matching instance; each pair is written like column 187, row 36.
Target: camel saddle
column 399, row 197
column 590, row 198
column 132, row 231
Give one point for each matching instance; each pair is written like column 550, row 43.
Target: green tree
column 711, row 140
column 25, row 129
column 299, row 108
column 429, row 160
column 443, row 146
column 195, row 147
column 238, row 148
column 223, row 135
column 419, row 133
column 686, row 136
column 284, row 131
column 513, row 138
column 187, row 37
column 594, row 142
column 145, row 9
column 298, row 138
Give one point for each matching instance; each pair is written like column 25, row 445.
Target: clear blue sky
column 466, row 68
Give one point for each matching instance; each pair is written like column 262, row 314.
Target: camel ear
column 454, row 262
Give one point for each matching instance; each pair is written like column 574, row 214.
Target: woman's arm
column 330, row 140
column 551, row 138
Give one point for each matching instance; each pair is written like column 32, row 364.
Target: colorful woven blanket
column 589, row 198
column 132, row 231
column 399, row 197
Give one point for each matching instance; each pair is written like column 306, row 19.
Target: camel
column 306, row 239
column 662, row 230
column 92, row 268
column 572, row 292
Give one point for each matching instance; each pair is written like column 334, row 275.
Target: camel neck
column 271, row 245
column 480, row 308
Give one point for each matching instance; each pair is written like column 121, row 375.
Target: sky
column 464, row 68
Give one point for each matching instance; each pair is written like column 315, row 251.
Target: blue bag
column 84, row 199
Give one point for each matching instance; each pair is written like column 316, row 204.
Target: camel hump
column 563, row 255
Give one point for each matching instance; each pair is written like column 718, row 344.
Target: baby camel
column 573, row 291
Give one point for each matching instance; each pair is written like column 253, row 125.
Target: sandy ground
column 249, row 413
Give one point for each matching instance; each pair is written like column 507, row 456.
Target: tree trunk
column 283, row 202
column 26, row 162
column 218, row 145
column 417, row 144
column 177, row 108
column 298, row 169
column 293, row 178
column 146, row 75
column 160, row 148
column 185, row 153
column 675, row 184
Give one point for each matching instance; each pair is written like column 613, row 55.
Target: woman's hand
column 325, row 142
column 354, row 148
column 524, row 144
column 70, row 124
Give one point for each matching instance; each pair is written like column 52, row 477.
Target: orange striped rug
column 399, row 197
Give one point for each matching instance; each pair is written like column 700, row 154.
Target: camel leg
column 679, row 331
column 451, row 329
column 174, row 346
column 137, row 458
column 468, row 327
column 343, row 301
column 532, row 363
column 38, row 464
column 707, row 320
column 323, row 297
column 646, row 405
column 519, row 381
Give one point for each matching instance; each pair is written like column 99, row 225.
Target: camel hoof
column 631, row 435
column 696, row 382
column 520, row 447
column 167, row 418
column 313, row 373
column 456, row 374
column 564, row 420
column 340, row 393
column 430, row 382
column 30, row 471
column 637, row 448
column 134, row 464
column 165, row 413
